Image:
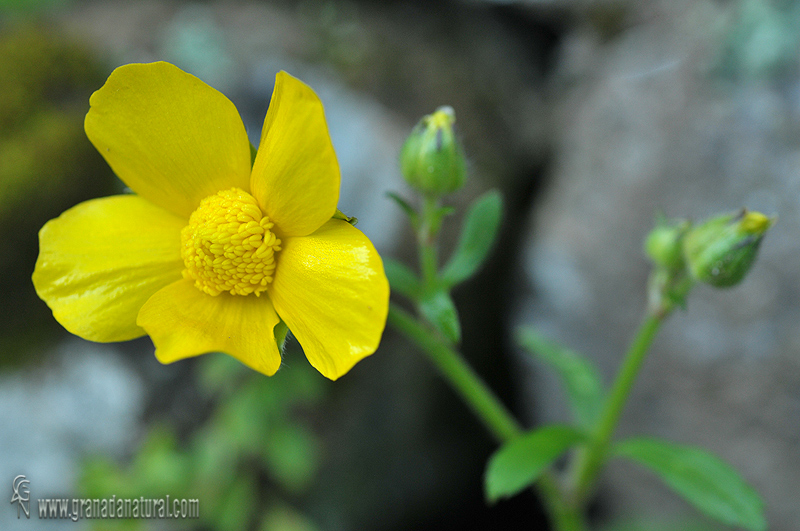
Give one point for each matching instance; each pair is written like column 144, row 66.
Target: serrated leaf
column 703, row 479
column 477, row 237
column 519, row 463
column 402, row 279
column 578, row 375
column 438, row 308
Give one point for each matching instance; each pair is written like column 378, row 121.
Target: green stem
column 488, row 408
column 429, row 264
column 428, row 254
column 483, row 402
column 472, row 389
column 590, row 461
column 564, row 516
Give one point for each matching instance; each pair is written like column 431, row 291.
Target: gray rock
column 655, row 120
column 85, row 400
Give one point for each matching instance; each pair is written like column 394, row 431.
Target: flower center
column 228, row 246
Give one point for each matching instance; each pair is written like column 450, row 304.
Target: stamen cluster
column 228, row 245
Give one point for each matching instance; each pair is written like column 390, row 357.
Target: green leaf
column 519, row 463
column 253, row 153
column 578, row 375
column 291, row 454
column 438, row 308
column 236, row 506
column 402, row 279
column 280, row 331
column 703, row 479
column 218, row 372
column 352, row 220
column 281, row 517
column 437, row 217
column 405, row 207
column 697, row 523
column 477, row 237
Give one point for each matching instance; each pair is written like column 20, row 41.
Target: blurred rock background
column 689, row 108
column 590, row 116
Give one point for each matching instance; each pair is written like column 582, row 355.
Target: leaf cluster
column 244, row 464
column 705, row 481
column 431, row 293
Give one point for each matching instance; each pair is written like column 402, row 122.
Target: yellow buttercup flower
column 210, row 254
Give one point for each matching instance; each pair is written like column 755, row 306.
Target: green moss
column 48, row 165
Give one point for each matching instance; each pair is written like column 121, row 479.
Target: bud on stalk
column 664, row 244
column 432, row 159
column 721, row 250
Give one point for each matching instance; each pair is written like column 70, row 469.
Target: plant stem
column 564, row 515
column 488, row 408
column 590, row 461
column 428, row 232
column 472, row 389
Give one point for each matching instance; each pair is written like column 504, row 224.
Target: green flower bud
column 664, row 244
column 432, row 160
column 721, row 250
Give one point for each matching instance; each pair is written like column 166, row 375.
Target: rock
column 658, row 119
column 85, row 400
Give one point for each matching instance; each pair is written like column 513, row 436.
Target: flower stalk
column 427, row 239
column 718, row 252
column 486, row 406
column 500, row 423
column 590, row 460
column 433, row 164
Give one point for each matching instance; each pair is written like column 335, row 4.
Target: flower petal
column 296, row 175
column 184, row 322
column 173, row 139
column 332, row 292
column 102, row 259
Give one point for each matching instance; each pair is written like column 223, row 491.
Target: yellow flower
column 210, row 254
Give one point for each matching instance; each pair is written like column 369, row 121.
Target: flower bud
column 721, row 250
column 432, row 160
column 664, row 244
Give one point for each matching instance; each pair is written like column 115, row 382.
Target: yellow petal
column 295, row 175
column 101, row 260
column 184, row 322
column 173, row 139
column 332, row 292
